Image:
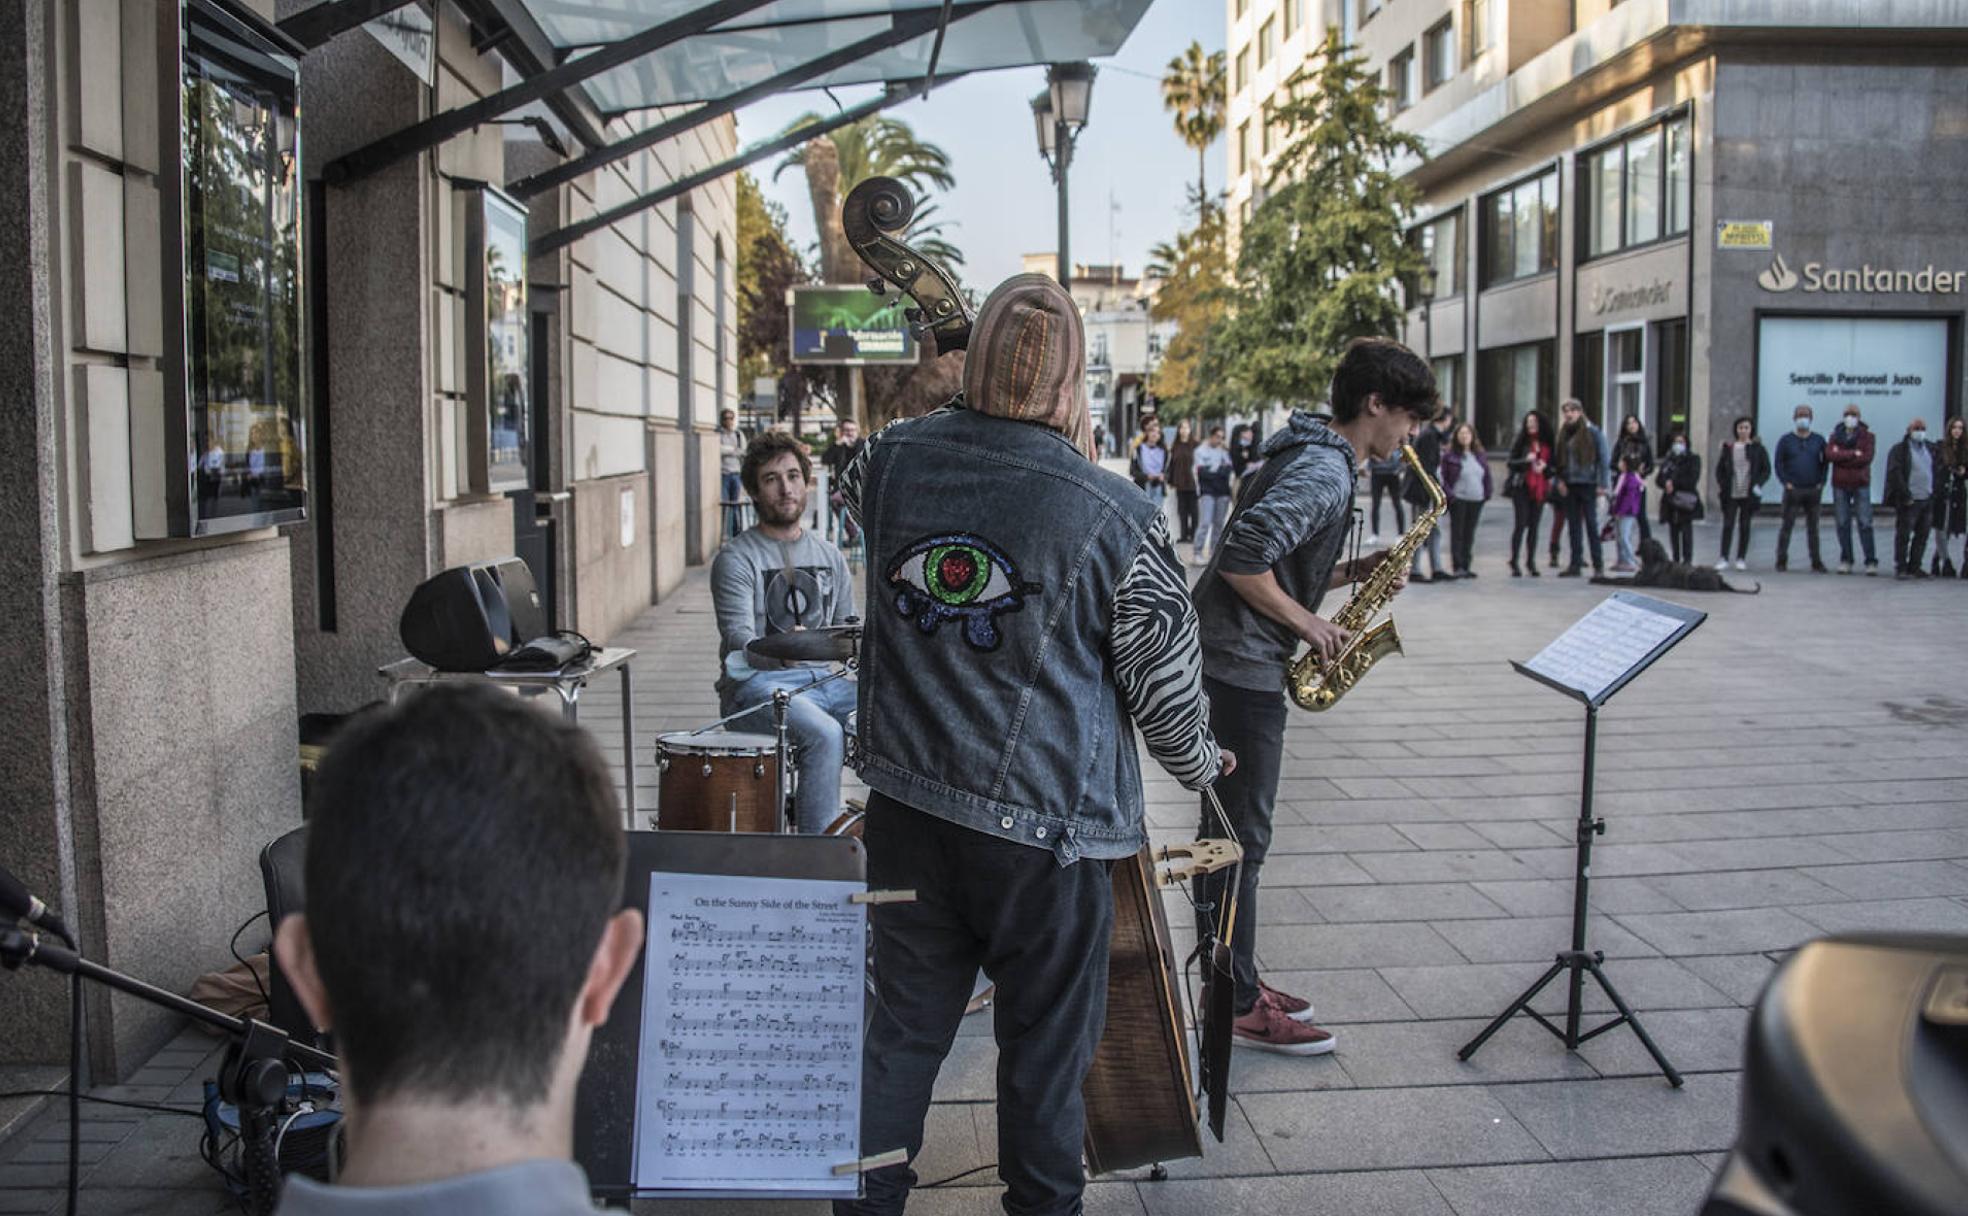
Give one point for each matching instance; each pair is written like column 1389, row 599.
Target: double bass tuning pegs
column 878, row 285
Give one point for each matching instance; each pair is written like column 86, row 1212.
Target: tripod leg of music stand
column 1633, row 1020
column 1525, row 998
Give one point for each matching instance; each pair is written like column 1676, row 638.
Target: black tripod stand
column 254, row 1077
column 1578, row 960
column 1599, row 655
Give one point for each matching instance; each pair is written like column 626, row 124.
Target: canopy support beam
column 317, row 24
column 421, row 137
column 908, row 26
column 896, row 94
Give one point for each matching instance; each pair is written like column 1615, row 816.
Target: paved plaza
column 1796, row 767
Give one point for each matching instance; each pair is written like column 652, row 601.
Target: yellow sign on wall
column 1744, row 234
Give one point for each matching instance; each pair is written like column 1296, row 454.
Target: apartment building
column 1124, row 342
column 1686, row 210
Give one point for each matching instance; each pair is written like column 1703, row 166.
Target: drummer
column 773, row 577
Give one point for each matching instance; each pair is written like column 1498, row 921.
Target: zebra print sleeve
column 1158, row 661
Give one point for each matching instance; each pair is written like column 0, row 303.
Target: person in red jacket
column 1850, row 452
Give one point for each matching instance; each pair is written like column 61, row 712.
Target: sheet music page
column 1603, row 645
column 750, row 1072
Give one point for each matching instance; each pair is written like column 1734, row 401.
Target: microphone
column 17, row 903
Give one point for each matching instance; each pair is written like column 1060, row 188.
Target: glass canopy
column 770, row 40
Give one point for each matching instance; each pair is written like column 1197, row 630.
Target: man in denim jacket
column 1027, row 614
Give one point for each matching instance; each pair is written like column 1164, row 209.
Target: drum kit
column 717, row 780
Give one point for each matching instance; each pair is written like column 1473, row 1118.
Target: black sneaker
column 1820, row 568
column 1569, row 572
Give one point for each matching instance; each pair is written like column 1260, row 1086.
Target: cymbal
column 833, row 644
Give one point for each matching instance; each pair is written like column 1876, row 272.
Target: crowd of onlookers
column 1613, row 491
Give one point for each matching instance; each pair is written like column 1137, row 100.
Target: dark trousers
column 1251, row 724
column 1185, row 515
column 1736, row 514
column 1582, row 516
column 1798, row 501
column 1390, row 485
column 1526, row 511
column 1681, row 535
column 1040, row 931
column 1911, row 522
column 1463, row 514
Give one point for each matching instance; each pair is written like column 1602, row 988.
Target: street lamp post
column 1425, row 282
column 1059, row 114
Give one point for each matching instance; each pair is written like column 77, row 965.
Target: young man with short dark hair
column 465, row 937
column 774, row 577
column 1257, row 602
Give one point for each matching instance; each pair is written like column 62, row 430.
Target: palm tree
column 1194, row 90
column 876, row 146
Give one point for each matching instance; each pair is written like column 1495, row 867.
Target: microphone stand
column 253, row 1078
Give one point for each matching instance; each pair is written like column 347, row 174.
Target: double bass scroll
column 875, row 214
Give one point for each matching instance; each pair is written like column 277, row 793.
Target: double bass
column 1141, row 1091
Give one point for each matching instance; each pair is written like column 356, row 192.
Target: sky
column 1004, row 205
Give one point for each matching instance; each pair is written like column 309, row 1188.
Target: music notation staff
column 751, row 1055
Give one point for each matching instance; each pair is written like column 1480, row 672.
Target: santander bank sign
column 1818, row 277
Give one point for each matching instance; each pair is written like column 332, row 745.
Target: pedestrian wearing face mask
column 1951, row 499
column 1740, row 472
column 1911, row 468
column 1801, row 468
column 1850, row 452
column 1681, row 504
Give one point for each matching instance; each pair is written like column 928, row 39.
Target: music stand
column 1599, row 655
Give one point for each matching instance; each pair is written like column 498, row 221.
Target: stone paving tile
column 1741, row 976
column 1364, row 811
column 1893, row 879
column 1375, row 1193
column 1521, row 834
column 1610, row 1117
column 1743, row 889
column 1398, row 902
column 1482, row 990
column 1727, row 932
column 1338, row 838
column 1695, row 1040
column 1240, row 1154
column 1894, row 915
column 1443, row 836
column 1632, row 1186
column 1343, row 996
column 38, row 1200
column 1535, row 939
column 1923, row 844
column 1553, row 897
column 1304, row 946
column 1314, row 870
column 1355, row 1129
column 1459, row 866
column 1389, row 1055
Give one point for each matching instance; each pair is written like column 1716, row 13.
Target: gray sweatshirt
column 761, row 586
column 1292, row 518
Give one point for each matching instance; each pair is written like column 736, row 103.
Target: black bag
column 1684, row 502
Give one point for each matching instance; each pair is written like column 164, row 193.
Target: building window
column 1286, row 13
column 1438, row 55
column 1097, row 356
column 1629, row 374
column 1670, row 378
column 1400, row 80
column 1511, row 382
column 1635, row 190
column 1264, row 131
column 1243, row 6
column 1479, row 21
column 1243, row 70
column 1520, row 230
column 1243, row 147
column 1267, row 39
column 1368, row 8
column 1440, row 244
column 1448, row 382
column 1589, row 372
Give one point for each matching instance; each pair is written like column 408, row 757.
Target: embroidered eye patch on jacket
column 959, row 576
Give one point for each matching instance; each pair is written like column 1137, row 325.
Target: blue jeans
column 1582, row 515
column 1215, row 511
column 1845, row 503
column 816, row 722
column 731, row 489
column 1626, row 530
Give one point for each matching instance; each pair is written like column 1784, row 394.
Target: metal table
column 567, row 685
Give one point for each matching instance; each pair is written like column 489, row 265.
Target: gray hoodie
column 1292, row 518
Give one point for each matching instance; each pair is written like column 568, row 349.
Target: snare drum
column 717, row 781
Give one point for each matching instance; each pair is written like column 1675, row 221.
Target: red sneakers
column 1269, row 1028
column 1297, row 1008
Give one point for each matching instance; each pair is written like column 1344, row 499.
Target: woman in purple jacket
column 1466, row 480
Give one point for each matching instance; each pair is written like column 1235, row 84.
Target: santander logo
column 1778, row 276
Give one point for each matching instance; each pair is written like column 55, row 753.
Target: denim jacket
column 987, row 683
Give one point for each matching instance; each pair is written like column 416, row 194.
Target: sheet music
column 750, row 1074
column 1603, row 645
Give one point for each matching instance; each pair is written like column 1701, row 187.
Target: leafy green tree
column 1194, row 270
column 876, row 146
column 1320, row 259
column 767, row 267
column 1194, row 90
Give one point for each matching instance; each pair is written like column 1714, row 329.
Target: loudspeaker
column 523, row 606
column 458, row 620
column 1855, row 1086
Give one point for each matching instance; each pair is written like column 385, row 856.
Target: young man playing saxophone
column 1256, row 601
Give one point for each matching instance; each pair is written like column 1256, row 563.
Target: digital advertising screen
column 848, row 325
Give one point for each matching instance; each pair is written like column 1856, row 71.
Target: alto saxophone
column 1318, row 685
